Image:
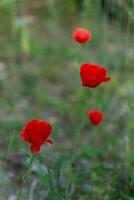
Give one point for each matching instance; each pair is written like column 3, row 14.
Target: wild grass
column 39, row 78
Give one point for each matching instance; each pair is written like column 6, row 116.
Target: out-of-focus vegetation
column 39, row 78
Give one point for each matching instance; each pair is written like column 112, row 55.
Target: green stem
column 51, row 182
column 9, row 149
column 77, row 141
column 25, row 176
column 74, row 151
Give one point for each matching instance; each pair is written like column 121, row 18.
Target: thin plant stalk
column 9, row 149
column 53, row 190
column 72, row 156
column 24, row 176
column 77, row 141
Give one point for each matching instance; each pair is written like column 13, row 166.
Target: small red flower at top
column 95, row 117
column 92, row 75
column 81, row 35
column 36, row 132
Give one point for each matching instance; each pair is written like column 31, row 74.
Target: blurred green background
column 39, row 78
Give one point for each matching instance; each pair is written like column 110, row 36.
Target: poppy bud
column 81, row 35
column 95, row 117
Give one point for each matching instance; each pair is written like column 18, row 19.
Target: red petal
column 24, row 136
column 107, row 79
column 36, row 132
column 34, row 148
column 95, row 117
column 49, row 141
column 81, row 35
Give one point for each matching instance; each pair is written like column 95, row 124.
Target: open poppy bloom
column 92, row 75
column 95, row 117
column 36, row 132
column 81, row 35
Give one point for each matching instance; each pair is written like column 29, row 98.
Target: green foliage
column 39, row 78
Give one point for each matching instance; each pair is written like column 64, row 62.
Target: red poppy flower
column 92, row 75
column 81, row 35
column 36, row 132
column 95, row 117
